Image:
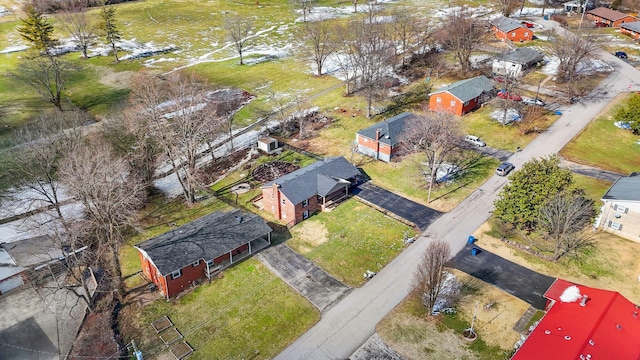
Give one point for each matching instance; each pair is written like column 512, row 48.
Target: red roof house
column 597, row 324
column 612, row 18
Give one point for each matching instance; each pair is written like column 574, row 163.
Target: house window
column 283, row 202
column 176, row 274
column 305, row 202
column 272, row 196
column 305, row 214
column 615, row 225
column 283, row 214
column 453, row 103
column 365, row 139
column 195, row 263
column 466, row 103
column 210, row 263
column 513, row 34
column 438, row 100
column 526, row 33
column 621, row 209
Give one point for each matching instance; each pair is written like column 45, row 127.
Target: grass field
column 248, row 313
column 349, row 240
column 595, row 145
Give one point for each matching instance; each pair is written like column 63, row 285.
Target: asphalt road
column 349, row 323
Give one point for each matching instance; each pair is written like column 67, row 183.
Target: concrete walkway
column 405, row 209
column 508, row 276
column 302, row 275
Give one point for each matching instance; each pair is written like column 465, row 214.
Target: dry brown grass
column 311, row 235
column 611, row 265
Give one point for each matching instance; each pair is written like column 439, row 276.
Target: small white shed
column 268, row 145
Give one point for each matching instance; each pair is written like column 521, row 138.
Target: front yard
column 349, row 240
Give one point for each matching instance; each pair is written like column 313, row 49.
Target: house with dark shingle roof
column 382, row 140
column 297, row 195
column 512, row 63
column 508, row 29
column 612, row 18
column 620, row 213
column 199, row 250
column 461, row 97
column 632, row 29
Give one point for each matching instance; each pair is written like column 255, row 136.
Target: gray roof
column 318, row 178
column 468, row 89
column 632, row 26
column 626, row 188
column 390, row 129
column 505, row 24
column 205, row 238
column 523, row 56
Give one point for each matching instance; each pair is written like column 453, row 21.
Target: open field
column 349, row 240
column 595, row 146
column 416, row 335
column 249, row 312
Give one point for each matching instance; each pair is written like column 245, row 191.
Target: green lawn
column 349, row 240
column 602, row 144
column 594, row 188
column 248, row 313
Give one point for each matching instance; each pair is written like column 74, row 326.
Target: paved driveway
column 517, row 280
column 303, row 275
column 417, row 214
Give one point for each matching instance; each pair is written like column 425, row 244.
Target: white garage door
column 10, row 283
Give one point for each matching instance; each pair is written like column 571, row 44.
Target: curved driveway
column 349, row 323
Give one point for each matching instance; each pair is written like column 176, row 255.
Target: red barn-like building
column 599, row 324
column 179, row 258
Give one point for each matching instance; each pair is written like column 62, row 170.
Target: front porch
column 211, row 270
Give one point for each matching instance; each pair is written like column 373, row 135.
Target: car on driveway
column 601, row 24
column 504, row 94
column 532, row 101
column 504, row 169
column 620, row 54
column 474, row 140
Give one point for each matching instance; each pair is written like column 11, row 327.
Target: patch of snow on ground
column 4, row 11
column 20, row 201
column 32, row 226
column 320, row 13
column 13, row 48
column 511, row 116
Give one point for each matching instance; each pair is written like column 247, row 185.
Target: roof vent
column 239, row 219
column 583, row 302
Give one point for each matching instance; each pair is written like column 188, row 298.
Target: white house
column 513, row 63
column 620, row 213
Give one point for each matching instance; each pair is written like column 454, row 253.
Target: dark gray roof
column 626, row 188
column 205, row 238
column 505, row 24
column 468, row 89
column 317, row 178
column 390, row 129
column 523, row 56
column 632, row 26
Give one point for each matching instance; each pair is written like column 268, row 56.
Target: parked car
column 601, row 24
column 504, row 169
column 620, row 54
column 504, row 94
column 474, row 140
column 536, row 101
column 527, row 24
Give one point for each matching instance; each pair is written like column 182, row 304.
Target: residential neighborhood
column 319, row 180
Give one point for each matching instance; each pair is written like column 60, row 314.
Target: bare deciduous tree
column 408, row 32
column 507, row 7
column 462, row 34
column 109, row 194
column 46, row 74
column 77, row 23
column 562, row 222
column 239, row 29
column 571, row 49
column 306, row 6
column 437, row 136
column 319, row 43
column 430, row 276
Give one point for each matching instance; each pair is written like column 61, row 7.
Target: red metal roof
column 607, row 327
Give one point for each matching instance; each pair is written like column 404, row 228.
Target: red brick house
column 297, row 195
column 584, row 323
column 612, row 18
column 632, row 29
column 199, row 250
column 382, row 140
column 461, row 97
column 508, row 29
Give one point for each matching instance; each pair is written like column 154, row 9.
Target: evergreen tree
column 109, row 28
column 37, row 30
column 631, row 114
